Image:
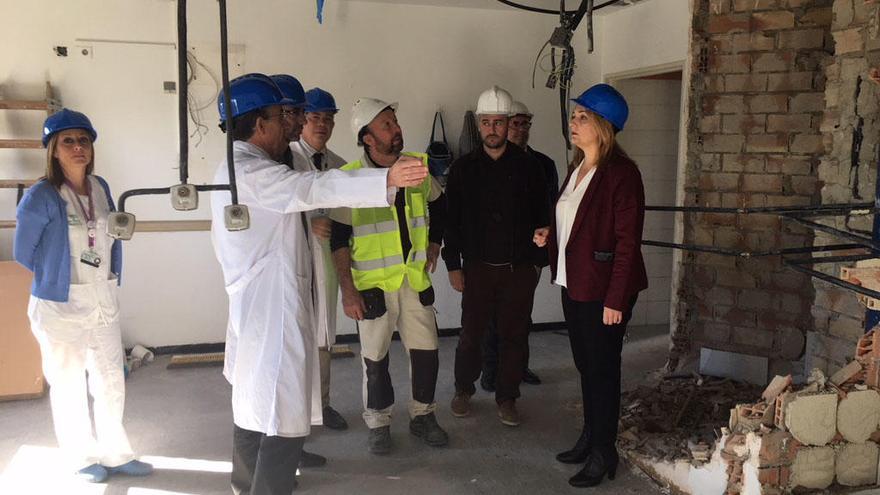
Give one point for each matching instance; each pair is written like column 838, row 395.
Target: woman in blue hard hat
column 595, row 256
column 61, row 237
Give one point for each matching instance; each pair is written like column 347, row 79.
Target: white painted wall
column 651, row 139
column 651, row 33
column 425, row 57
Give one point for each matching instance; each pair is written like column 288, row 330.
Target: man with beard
column 383, row 258
column 497, row 198
column 271, row 355
column 518, row 133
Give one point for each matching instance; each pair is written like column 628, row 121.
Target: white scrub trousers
column 81, row 345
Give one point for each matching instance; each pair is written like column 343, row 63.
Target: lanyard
column 88, row 214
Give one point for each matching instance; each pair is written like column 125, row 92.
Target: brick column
column 756, row 107
column 848, row 169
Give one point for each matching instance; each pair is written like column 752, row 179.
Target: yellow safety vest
column 376, row 249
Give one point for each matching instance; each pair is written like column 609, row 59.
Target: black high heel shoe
column 579, row 452
column 597, row 467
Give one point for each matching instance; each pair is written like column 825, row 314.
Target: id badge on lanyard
column 88, row 256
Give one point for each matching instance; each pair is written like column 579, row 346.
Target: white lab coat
column 326, row 283
column 271, row 354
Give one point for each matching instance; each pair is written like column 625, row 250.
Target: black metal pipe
column 843, row 207
column 156, row 191
column 858, row 239
column 831, row 259
column 141, row 192
column 832, row 280
column 539, row 10
column 227, row 101
column 753, row 254
column 182, row 92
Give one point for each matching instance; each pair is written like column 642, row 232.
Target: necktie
column 317, row 160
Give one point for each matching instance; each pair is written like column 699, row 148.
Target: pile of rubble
column 680, row 418
column 792, row 439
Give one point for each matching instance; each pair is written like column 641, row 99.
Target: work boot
column 487, row 381
column 379, row 442
column 334, row 420
column 310, row 460
column 530, row 377
column 461, row 405
column 426, row 428
column 508, row 413
column 579, row 452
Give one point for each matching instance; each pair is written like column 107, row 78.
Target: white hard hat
column 365, row 110
column 494, row 101
column 520, row 108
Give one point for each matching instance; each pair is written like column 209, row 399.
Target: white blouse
column 566, row 211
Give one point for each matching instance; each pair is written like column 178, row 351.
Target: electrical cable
column 539, row 10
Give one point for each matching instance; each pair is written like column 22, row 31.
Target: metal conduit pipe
column 227, row 101
column 182, row 92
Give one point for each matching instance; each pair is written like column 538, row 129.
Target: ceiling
column 494, row 4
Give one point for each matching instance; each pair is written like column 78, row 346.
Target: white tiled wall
column 651, row 139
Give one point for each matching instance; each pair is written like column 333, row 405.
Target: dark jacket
column 603, row 256
column 550, row 174
column 465, row 199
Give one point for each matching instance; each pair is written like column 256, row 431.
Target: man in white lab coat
column 271, row 354
column 309, row 153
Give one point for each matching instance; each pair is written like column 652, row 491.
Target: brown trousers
column 505, row 293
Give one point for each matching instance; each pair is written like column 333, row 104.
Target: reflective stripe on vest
column 374, row 228
column 376, row 252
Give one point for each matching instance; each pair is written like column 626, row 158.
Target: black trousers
column 490, row 350
column 264, row 465
column 508, row 293
column 596, row 348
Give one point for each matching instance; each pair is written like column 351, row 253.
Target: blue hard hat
column 248, row 93
column 318, row 100
column 291, row 89
column 66, row 119
column 606, row 102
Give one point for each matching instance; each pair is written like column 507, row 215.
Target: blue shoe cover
column 95, row 473
column 132, row 468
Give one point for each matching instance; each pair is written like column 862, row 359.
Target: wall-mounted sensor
column 120, row 225
column 169, row 86
column 236, row 217
column 60, row 51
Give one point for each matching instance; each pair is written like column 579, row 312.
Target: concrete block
column 858, row 415
column 776, row 387
column 856, row 464
column 742, row 367
column 813, row 468
column 845, row 374
column 812, row 418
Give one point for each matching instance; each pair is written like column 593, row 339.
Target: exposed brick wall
column 754, row 136
column 847, row 173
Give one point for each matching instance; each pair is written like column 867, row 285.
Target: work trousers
column 324, row 362
column 417, row 326
column 596, row 349
column 504, row 292
column 264, row 465
column 77, row 362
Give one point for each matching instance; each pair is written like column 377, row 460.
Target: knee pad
column 380, row 393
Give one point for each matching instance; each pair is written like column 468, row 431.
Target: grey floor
column 181, row 421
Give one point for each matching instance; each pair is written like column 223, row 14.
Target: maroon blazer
column 603, row 256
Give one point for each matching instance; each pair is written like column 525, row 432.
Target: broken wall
column 756, row 106
column 847, row 170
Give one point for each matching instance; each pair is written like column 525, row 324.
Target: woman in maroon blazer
column 595, row 256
